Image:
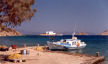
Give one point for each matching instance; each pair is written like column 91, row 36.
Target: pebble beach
column 48, row 57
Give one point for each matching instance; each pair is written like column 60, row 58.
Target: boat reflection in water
column 76, row 51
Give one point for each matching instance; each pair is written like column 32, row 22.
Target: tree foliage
column 14, row 12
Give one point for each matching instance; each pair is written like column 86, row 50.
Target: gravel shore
column 43, row 57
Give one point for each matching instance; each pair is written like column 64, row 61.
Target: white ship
column 73, row 43
column 50, row 33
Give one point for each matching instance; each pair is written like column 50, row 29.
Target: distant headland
column 4, row 31
column 104, row 33
column 81, row 33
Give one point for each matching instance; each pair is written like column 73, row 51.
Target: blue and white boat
column 73, row 43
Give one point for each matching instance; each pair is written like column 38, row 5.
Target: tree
column 14, row 12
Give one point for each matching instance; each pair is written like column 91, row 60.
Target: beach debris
column 46, row 48
column 25, row 46
column 10, row 48
column 3, row 48
column 14, row 56
column 0, row 46
column 39, row 48
column 27, row 51
column 97, row 54
column 24, row 52
column 13, row 46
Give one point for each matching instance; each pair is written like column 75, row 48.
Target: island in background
column 81, row 33
column 104, row 33
column 5, row 31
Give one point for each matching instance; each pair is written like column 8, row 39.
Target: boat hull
column 55, row 47
column 80, row 47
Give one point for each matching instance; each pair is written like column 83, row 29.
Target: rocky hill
column 104, row 33
column 82, row 33
column 4, row 31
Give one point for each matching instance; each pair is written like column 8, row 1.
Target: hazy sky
column 62, row 16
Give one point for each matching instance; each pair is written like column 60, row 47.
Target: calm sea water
column 94, row 43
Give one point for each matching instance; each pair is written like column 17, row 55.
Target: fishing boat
column 67, row 44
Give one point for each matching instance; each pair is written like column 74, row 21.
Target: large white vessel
column 73, row 43
column 50, row 33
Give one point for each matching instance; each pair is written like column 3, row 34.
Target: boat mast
column 74, row 31
column 73, row 34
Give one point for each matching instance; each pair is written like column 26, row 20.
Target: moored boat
column 73, row 43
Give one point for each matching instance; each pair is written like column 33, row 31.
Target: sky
column 61, row 16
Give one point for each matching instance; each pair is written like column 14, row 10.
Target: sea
column 95, row 43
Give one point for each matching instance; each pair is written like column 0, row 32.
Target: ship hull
column 55, row 47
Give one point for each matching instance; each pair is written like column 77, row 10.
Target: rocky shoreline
column 103, row 33
column 4, row 31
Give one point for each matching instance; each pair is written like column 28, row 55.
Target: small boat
column 67, row 44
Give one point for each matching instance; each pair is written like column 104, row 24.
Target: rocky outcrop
column 4, row 31
column 104, row 33
column 82, row 33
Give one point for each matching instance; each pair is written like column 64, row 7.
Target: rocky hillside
column 104, row 33
column 82, row 33
column 4, row 31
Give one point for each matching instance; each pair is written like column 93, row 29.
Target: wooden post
column 97, row 54
column 15, row 61
column 24, row 45
column 20, row 60
column 38, row 45
column 38, row 50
